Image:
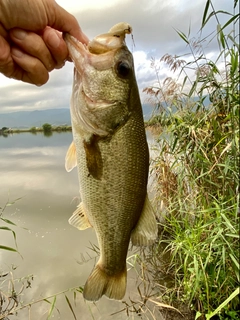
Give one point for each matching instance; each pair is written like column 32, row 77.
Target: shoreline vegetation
column 195, row 263
column 46, row 128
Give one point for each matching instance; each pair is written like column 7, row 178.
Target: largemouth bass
column 111, row 153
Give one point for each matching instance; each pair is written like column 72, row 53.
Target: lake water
column 55, row 253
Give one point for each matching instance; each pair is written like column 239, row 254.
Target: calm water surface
column 32, row 168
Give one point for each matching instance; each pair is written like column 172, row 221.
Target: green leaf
column 224, row 304
column 198, row 314
column 8, row 248
column 232, row 235
column 210, row 15
column 52, row 308
column 70, row 306
column 222, row 39
column 184, row 81
column 193, row 88
column 46, row 300
column 13, row 232
column 234, row 261
column 182, row 35
column 205, row 13
column 228, row 223
column 231, row 20
column 8, row 221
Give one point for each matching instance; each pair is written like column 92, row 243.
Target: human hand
column 30, row 45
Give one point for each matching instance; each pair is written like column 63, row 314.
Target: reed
column 196, row 170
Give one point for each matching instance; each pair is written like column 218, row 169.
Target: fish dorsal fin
column 79, row 219
column 71, row 158
column 145, row 232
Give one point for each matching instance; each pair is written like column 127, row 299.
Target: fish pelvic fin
column 79, row 219
column 146, row 230
column 71, row 158
column 100, row 283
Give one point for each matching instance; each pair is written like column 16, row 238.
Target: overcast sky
column 154, row 23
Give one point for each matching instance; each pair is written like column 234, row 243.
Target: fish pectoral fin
column 93, row 157
column 146, row 230
column 79, row 219
column 71, row 158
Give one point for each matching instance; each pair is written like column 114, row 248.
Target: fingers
column 56, row 45
column 20, row 66
column 36, row 15
column 5, row 57
column 34, row 56
column 27, row 68
column 24, row 53
column 33, row 45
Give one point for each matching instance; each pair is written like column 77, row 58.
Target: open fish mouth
column 96, row 50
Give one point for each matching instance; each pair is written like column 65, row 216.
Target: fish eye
column 123, row 69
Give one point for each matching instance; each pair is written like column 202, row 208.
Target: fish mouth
column 98, row 53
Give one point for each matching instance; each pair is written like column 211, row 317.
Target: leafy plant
column 6, row 227
column 47, row 128
column 196, row 169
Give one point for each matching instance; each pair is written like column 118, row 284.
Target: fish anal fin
column 71, row 158
column 79, row 219
column 146, row 230
column 100, row 283
column 93, row 157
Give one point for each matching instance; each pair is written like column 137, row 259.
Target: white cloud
column 74, row 6
column 153, row 23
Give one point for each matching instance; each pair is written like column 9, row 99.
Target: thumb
column 66, row 22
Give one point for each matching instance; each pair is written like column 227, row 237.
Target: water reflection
column 32, row 168
column 47, row 133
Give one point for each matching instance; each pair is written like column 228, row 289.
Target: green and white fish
column 111, row 153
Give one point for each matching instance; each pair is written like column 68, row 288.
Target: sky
column 154, row 24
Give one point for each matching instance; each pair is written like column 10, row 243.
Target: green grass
column 196, row 173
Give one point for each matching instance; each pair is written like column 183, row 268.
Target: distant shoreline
column 60, row 128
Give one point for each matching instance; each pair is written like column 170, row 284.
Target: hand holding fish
column 31, row 44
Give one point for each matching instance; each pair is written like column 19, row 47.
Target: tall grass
column 196, row 169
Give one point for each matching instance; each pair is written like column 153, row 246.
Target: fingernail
column 53, row 40
column 17, row 53
column 19, row 33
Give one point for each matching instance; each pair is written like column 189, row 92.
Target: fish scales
column 122, row 182
column 111, row 153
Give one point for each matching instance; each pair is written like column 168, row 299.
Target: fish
column 111, row 154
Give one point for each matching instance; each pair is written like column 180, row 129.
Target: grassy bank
column 196, row 174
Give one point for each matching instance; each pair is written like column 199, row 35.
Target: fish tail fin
column 100, row 283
